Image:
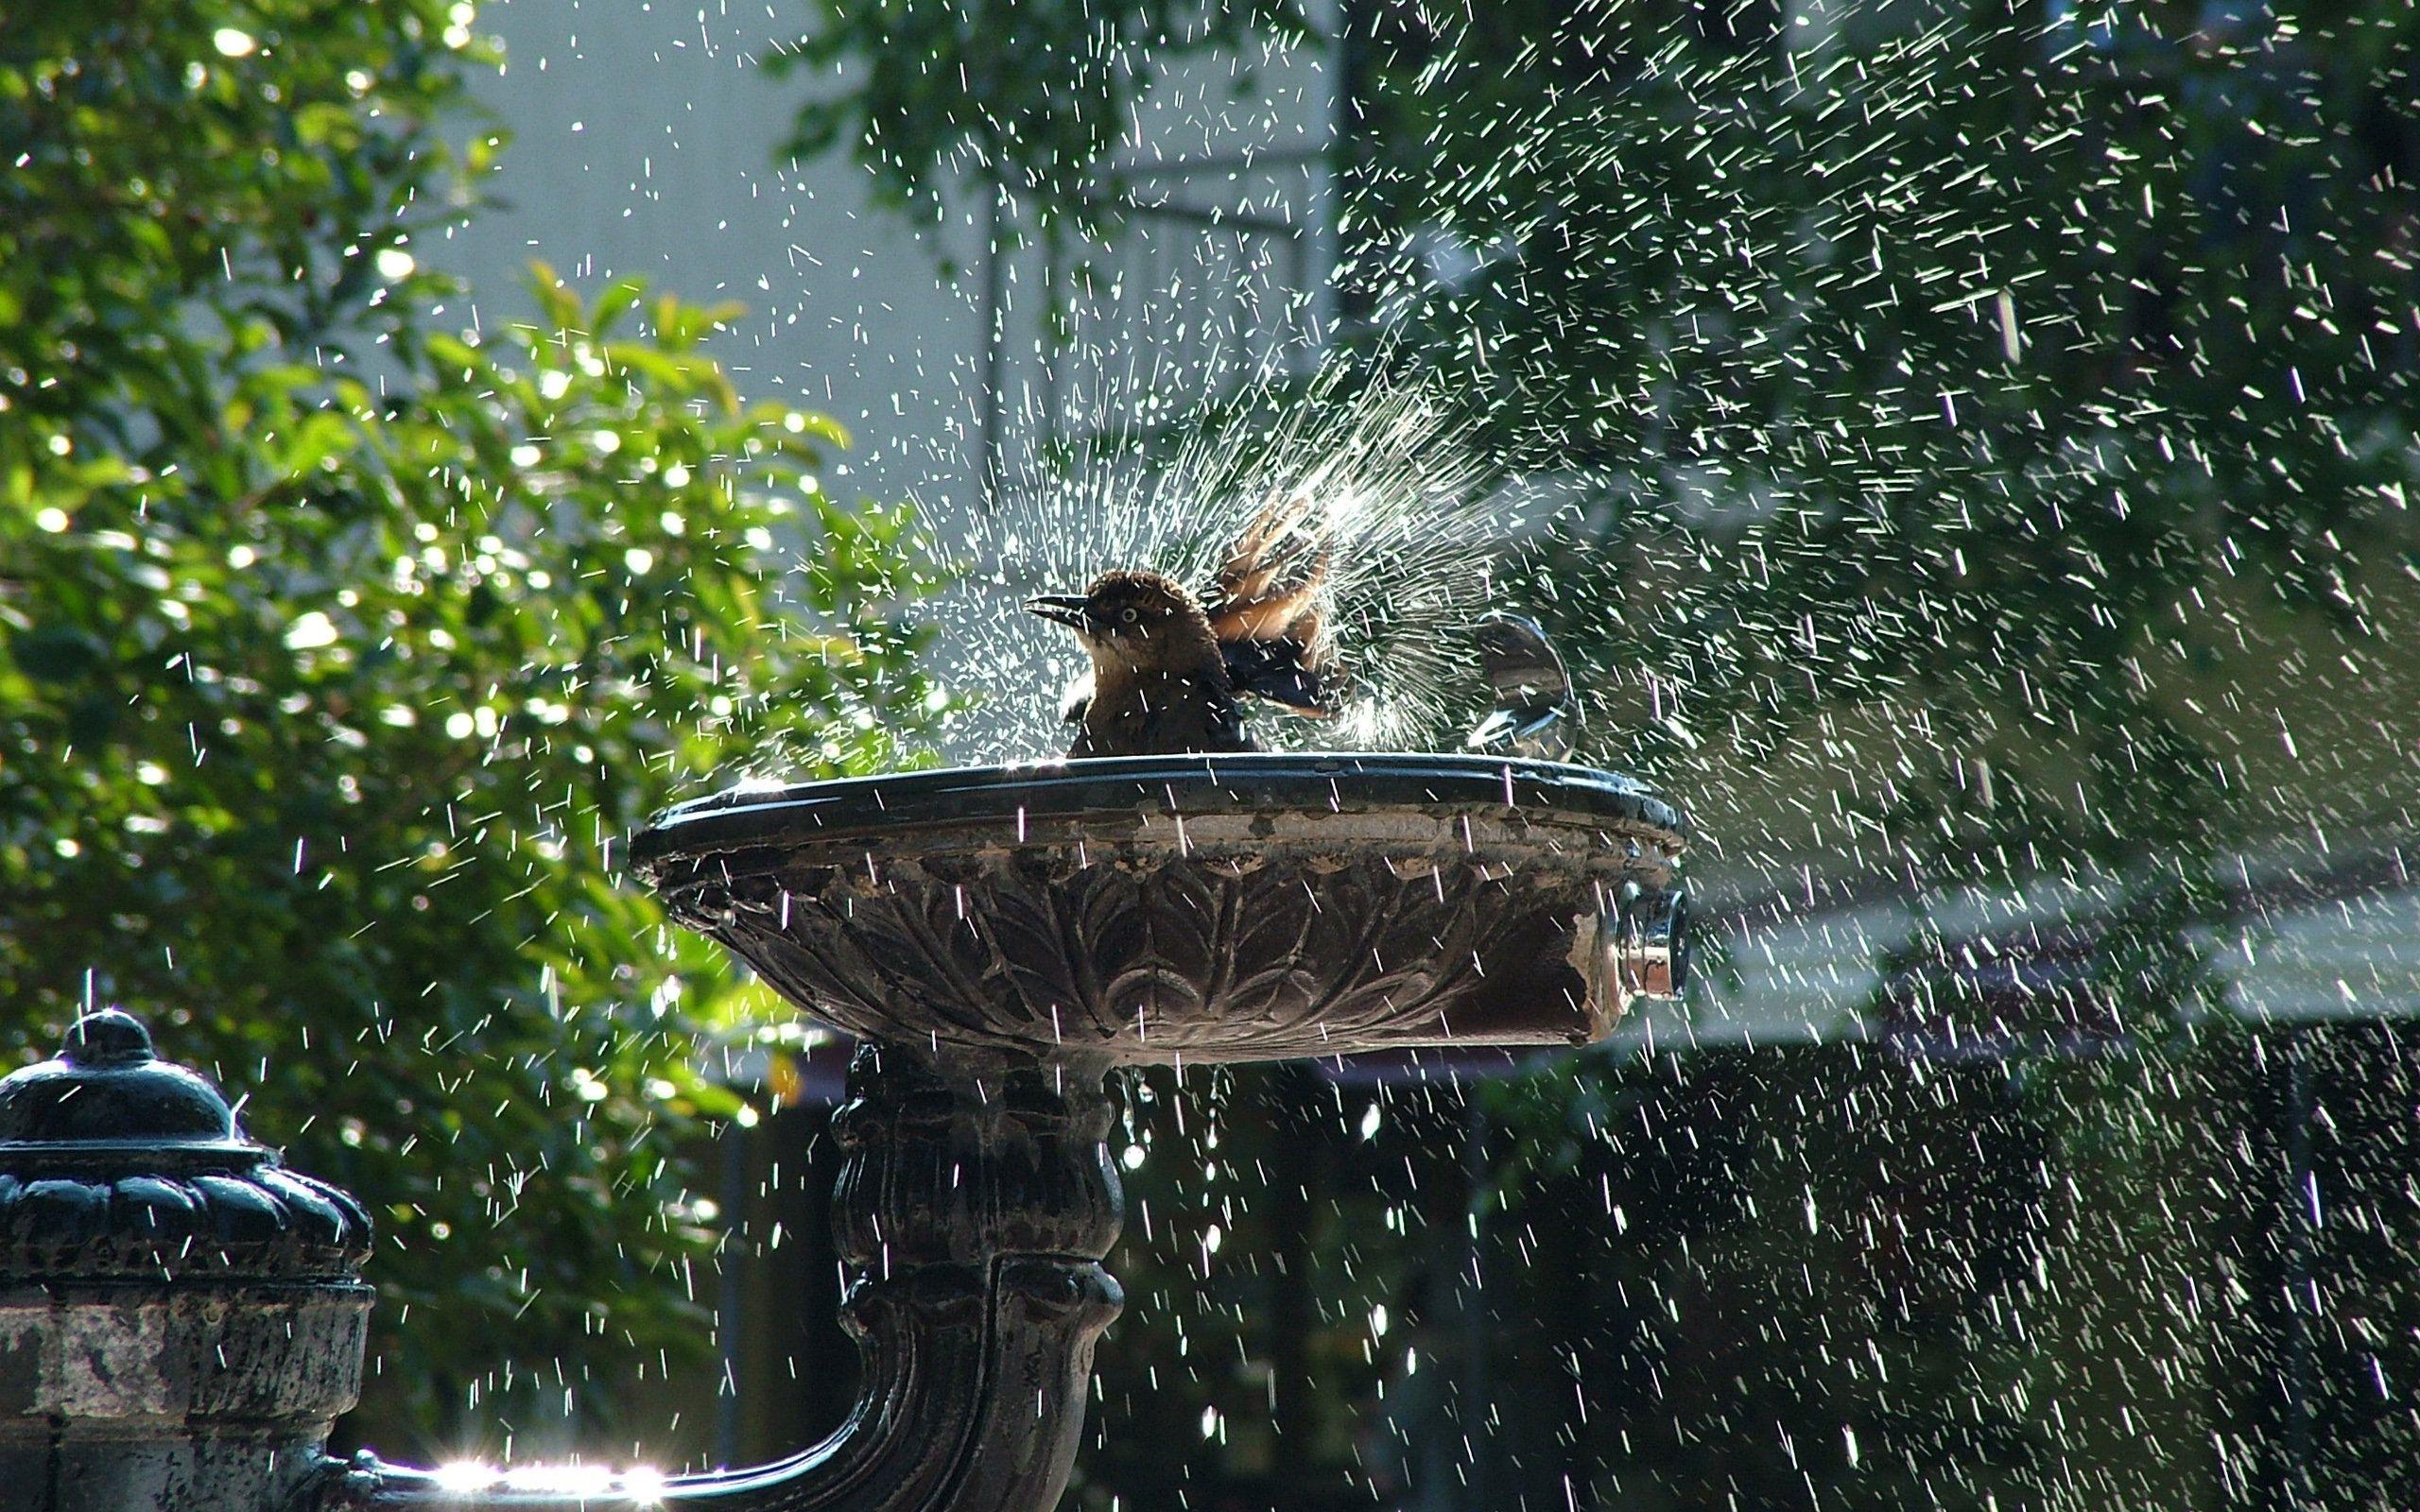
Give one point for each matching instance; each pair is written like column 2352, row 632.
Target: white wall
column 643, row 142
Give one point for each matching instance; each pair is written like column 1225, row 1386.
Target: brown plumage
column 1168, row 669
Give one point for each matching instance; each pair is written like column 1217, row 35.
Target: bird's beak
column 1067, row 611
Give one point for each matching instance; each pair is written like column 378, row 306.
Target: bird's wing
column 1278, row 671
column 1267, row 588
column 1535, row 713
column 1520, row 662
column 1266, row 611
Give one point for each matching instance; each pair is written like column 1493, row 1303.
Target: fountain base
column 974, row 1209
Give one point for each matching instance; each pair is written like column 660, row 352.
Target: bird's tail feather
column 1269, row 612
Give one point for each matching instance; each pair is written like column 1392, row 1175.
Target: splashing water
column 1418, row 530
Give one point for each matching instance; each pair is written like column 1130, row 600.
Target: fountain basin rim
column 1313, row 782
column 1253, row 906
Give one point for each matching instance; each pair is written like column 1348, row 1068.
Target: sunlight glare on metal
column 567, row 1480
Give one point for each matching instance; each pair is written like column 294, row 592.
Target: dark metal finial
column 115, row 1163
column 112, row 1037
column 107, row 1085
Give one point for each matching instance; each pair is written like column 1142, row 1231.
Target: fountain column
column 973, row 1207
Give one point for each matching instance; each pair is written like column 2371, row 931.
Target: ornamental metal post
column 181, row 1318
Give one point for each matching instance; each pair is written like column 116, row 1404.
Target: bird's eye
column 1129, row 617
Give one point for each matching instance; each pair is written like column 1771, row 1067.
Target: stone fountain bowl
column 1193, row 908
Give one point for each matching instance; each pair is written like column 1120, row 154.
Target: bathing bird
column 1171, row 668
column 1536, row 713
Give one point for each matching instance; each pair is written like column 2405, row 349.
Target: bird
column 1536, row 713
column 1171, row 668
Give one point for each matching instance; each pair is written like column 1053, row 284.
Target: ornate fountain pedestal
column 974, row 1204
column 1001, row 939
column 1043, row 925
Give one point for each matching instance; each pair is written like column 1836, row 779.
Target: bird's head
column 1135, row 620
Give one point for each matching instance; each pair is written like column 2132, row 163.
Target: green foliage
column 1996, row 425
column 1021, row 96
column 1964, row 396
column 1969, row 377
column 1976, row 378
column 339, row 650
